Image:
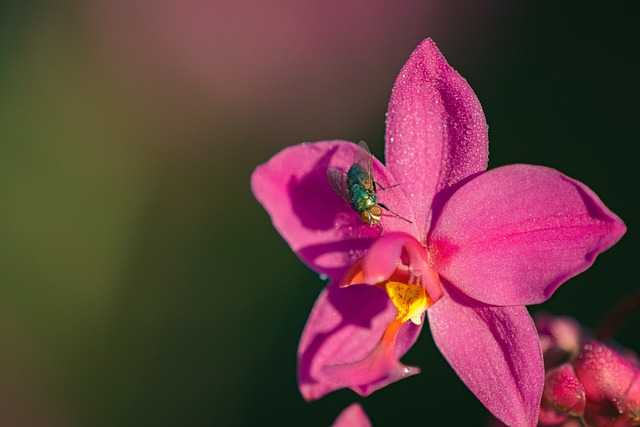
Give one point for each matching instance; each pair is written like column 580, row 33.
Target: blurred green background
column 140, row 282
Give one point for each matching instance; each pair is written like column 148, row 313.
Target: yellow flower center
column 410, row 300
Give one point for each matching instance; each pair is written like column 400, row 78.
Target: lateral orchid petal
column 319, row 226
column 343, row 328
column 436, row 131
column 496, row 353
column 512, row 235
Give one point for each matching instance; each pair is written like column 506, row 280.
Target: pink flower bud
column 631, row 404
column 563, row 391
column 559, row 338
column 612, row 386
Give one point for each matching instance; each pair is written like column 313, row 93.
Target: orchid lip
column 396, row 263
column 380, row 367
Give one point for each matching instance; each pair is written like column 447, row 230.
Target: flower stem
column 583, row 422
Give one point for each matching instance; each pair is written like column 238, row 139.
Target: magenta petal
column 319, row 226
column 384, row 255
column 379, row 369
column 511, row 236
column 436, row 131
column 352, row 416
column 496, row 353
column 344, row 326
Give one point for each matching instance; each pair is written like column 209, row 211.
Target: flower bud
column 559, row 338
column 612, row 386
column 563, row 392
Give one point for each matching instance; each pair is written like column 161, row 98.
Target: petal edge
column 495, row 351
column 436, row 133
column 514, row 234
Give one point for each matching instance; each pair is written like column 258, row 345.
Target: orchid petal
column 320, row 227
column 382, row 258
column 352, row 416
column 343, row 328
column 436, row 131
column 384, row 255
column 511, row 236
column 496, row 353
column 378, row 369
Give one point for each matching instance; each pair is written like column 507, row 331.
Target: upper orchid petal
column 352, row 416
column 511, row 236
column 342, row 330
column 436, row 131
column 496, row 353
column 320, row 227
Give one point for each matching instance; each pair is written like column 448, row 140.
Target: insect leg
column 393, row 213
column 385, row 188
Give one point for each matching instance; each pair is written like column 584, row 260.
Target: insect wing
column 363, row 158
column 338, row 181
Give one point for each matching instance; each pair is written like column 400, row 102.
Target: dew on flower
column 478, row 246
column 594, row 385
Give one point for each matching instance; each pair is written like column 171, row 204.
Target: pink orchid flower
column 479, row 247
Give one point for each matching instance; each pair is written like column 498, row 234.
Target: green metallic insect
column 358, row 188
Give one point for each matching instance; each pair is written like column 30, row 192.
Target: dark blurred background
column 140, row 282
